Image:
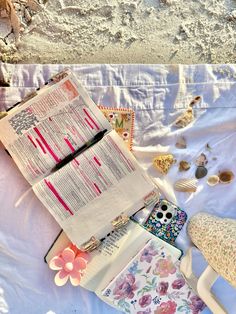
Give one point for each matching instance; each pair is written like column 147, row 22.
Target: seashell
column 201, row 160
column 181, row 143
column 194, row 101
column 201, row 172
column 184, row 165
column 208, row 147
column 186, row 185
column 213, row 180
column 226, row 176
column 163, row 163
column 184, row 119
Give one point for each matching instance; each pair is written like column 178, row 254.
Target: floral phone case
column 166, row 221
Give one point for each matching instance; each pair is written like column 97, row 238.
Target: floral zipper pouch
column 152, row 283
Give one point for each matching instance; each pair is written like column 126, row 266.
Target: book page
column 50, row 126
column 87, row 194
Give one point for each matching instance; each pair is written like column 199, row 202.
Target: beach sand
column 131, row 31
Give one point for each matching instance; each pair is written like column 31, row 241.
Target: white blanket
column 158, row 94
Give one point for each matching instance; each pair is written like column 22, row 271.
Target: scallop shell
column 226, row 176
column 186, row 185
column 184, row 119
column 213, row 180
column 181, row 143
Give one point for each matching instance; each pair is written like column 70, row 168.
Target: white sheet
column 157, row 93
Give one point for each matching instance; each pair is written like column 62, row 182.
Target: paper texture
column 50, row 126
column 153, row 283
column 101, row 184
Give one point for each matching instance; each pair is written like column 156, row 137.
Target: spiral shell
column 186, row 185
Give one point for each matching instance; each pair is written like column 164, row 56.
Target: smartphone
column 166, row 220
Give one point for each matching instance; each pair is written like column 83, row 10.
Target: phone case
column 166, row 221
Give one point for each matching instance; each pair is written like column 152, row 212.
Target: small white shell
column 213, row 180
column 186, row 185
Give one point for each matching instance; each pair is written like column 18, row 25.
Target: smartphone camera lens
column 169, row 215
column 164, row 207
column 159, row 215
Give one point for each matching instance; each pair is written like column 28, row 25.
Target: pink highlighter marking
column 41, row 146
column 97, row 161
column 76, row 161
column 87, row 121
column 57, row 159
column 97, row 188
column 31, row 140
column 69, row 144
column 91, row 119
column 54, row 191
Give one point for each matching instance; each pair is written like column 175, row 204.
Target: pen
column 73, row 155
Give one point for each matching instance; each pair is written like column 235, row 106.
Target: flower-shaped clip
column 70, row 263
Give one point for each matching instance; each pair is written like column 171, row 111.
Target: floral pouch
column 153, row 283
column 122, row 120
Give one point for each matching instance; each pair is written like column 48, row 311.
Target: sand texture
column 121, row 31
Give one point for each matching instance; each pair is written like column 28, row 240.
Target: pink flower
column 164, row 267
column 162, row 288
column 71, row 263
column 178, row 283
column 145, row 300
column 166, row 308
column 124, row 287
column 147, row 254
column 197, row 305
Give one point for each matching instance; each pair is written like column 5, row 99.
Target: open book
column 89, row 193
column 109, row 259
